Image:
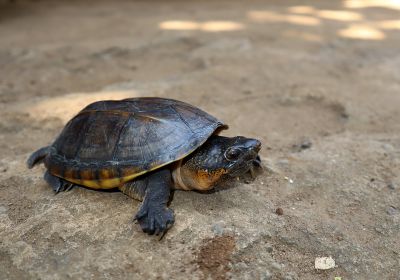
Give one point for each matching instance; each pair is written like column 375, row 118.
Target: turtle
column 146, row 147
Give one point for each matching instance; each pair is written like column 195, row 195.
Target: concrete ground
column 318, row 83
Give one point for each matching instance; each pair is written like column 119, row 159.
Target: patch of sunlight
column 363, row 32
column 389, row 24
column 269, row 16
column 216, row 26
column 208, row 26
column 179, row 25
column 357, row 4
column 67, row 106
column 310, row 37
column 339, row 15
column 301, row 9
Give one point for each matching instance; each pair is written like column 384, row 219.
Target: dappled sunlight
column 179, row 25
column 339, row 15
column 389, row 24
column 66, row 106
column 358, row 4
column 358, row 25
column 301, row 9
column 208, row 26
column 270, row 16
column 215, row 26
column 362, row 32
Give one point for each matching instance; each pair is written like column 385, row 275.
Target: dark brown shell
column 116, row 139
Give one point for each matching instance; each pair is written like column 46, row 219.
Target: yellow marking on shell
column 91, row 184
column 129, row 171
column 68, row 173
column 110, row 183
column 105, row 183
column 105, row 174
column 87, row 175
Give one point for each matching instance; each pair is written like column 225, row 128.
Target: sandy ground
column 317, row 83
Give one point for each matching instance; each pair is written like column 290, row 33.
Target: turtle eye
column 232, row 154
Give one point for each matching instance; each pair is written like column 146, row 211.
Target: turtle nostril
column 256, row 145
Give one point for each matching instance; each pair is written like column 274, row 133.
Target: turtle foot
column 155, row 219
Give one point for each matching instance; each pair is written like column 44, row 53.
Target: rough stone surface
column 326, row 71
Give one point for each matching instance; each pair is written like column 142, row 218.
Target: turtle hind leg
column 37, row 157
column 58, row 184
column 135, row 189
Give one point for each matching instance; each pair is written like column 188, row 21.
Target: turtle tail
column 37, row 157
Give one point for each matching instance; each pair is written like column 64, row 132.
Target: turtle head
column 216, row 159
column 240, row 155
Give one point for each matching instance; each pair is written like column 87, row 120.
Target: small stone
column 276, row 266
column 266, row 275
column 279, row 211
column 392, row 210
column 391, row 186
column 217, row 229
column 306, row 144
column 324, row 263
column 288, row 179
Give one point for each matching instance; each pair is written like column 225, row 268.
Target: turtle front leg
column 154, row 216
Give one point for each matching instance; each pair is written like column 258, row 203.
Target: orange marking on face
column 206, row 179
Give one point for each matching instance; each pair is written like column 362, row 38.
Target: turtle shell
column 111, row 142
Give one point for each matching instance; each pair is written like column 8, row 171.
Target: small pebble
column 392, row 210
column 266, row 275
column 305, row 144
column 217, row 229
column 391, row 186
column 279, row 211
column 324, row 263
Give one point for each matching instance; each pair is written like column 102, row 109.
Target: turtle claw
column 155, row 219
column 69, row 187
column 57, row 184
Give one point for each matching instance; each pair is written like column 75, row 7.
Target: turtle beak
column 253, row 146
